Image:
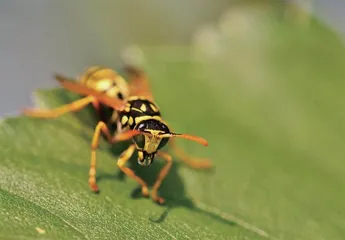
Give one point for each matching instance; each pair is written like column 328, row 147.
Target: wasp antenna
column 197, row 139
column 126, row 135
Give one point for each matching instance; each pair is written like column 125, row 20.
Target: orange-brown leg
column 53, row 113
column 130, row 173
column 101, row 127
column 193, row 162
column 162, row 174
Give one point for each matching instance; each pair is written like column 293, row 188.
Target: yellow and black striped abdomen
column 137, row 110
column 105, row 80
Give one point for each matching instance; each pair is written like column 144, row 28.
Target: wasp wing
column 77, row 87
column 138, row 82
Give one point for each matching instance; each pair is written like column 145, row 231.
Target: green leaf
column 44, row 185
column 272, row 110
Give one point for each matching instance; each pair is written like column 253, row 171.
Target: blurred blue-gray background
column 39, row 37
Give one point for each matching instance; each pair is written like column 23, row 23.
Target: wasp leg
column 130, row 173
column 193, row 162
column 101, row 127
column 162, row 174
column 53, row 113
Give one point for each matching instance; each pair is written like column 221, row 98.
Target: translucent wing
column 138, row 83
column 77, row 87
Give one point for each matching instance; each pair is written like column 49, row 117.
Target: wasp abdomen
column 105, row 80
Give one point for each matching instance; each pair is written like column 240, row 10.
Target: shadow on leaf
column 172, row 188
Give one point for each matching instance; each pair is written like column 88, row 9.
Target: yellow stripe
column 130, row 121
column 143, row 107
column 143, row 118
column 155, row 132
column 124, row 119
column 153, row 107
column 136, row 109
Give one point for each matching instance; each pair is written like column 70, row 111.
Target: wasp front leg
column 124, row 157
column 162, row 174
column 102, row 127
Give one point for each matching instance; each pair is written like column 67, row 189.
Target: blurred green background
column 262, row 81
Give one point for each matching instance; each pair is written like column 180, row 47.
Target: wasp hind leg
column 54, row 113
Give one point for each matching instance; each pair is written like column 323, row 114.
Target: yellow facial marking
column 143, row 107
column 124, row 120
column 153, row 107
column 155, row 132
column 127, row 109
column 130, row 121
column 152, row 144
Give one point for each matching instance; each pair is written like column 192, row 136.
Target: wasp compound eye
column 139, row 140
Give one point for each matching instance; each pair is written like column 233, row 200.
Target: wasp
column 138, row 119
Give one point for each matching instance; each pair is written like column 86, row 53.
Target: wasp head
column 150, row 141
